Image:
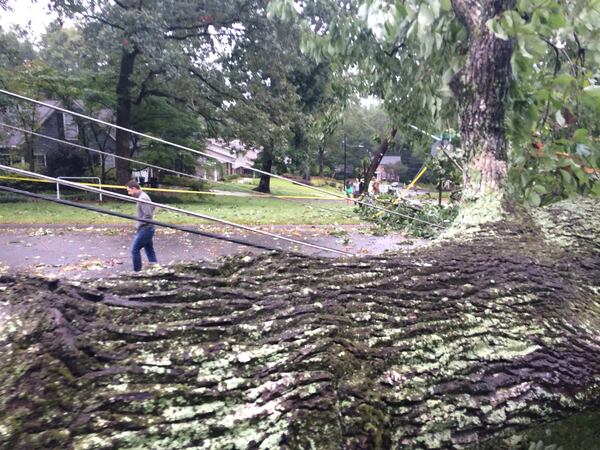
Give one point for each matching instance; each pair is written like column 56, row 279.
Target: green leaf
column 495, row 27
column 564, row 79
column 435, row 7
column 427, row 41
column 581, row 136
column 556, row 21
column 331, row 49
column 533, row 198
column 582, row 177
column 425, row 18
column 439, row 40
column 567, row 178
column 401, row 11
column 524, row 178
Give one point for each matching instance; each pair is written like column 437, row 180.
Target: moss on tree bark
column 443, row 347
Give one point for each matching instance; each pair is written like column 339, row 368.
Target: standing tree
column 422, row 58
column 153, row 43
column 280, row 91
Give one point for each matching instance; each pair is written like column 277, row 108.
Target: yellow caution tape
column 26, row 179
column 179, row 191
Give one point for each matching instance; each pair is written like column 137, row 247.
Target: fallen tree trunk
column 443, row 347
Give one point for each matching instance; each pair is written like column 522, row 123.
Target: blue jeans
column 142, row 239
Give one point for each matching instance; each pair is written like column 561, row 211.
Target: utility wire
column 425, row 132
column 443, row 146
column 242, row 188
column 334, row 194
column 128, row 217
column 82, row 147
column 168, row 207
column 162, row 141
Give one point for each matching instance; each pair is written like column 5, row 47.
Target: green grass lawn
column 243, row 210
column 278, row 187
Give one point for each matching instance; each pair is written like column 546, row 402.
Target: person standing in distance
column 144, row 231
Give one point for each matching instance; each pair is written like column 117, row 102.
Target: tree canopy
column 412, row 54
column 279, row 75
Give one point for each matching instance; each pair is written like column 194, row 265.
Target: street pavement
column 100, row 251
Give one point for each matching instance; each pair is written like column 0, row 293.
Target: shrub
column 192, row 183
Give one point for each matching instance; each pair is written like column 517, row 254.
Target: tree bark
column 383, row 148
column 264, row 185
column 480, row 90
column 321, row 159
column 443, row 347
column 124, row 101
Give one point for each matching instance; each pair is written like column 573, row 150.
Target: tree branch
column 103, row 21
column 143, row 88
column 557, row 66
column 121, row 4
column 580, row 51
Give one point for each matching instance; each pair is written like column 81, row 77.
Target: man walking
column 144, row 231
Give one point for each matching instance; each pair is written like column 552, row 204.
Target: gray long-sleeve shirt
column 144, row 211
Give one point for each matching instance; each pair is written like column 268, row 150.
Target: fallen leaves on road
column 43, row 232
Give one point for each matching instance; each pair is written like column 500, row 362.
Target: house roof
column 10, row 138
column 233, row 152
column 390, row 160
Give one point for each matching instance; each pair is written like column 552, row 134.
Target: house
column 56, row 124
column 228, row 158
column 389, row 168
column 56, row 158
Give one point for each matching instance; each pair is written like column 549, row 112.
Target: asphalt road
column 92, row 252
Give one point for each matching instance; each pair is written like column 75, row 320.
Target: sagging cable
column 128, row 217
column 162, row 141
column 249, row 191
column 124, row 158
column 167, row 207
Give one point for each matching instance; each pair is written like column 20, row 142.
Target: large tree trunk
column 381, row 151
column 480, row 90
column 321, row 159
column 264, row 184
column 124, row 115
column 443, row 347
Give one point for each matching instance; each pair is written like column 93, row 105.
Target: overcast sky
column 28, row 14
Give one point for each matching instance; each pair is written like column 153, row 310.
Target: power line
column 196, row 177
column 168, row 207
column 425, row 132
column 245, row 190
column 128, row 217
column 162, row 141
column 82, row 147
column 334, row 194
